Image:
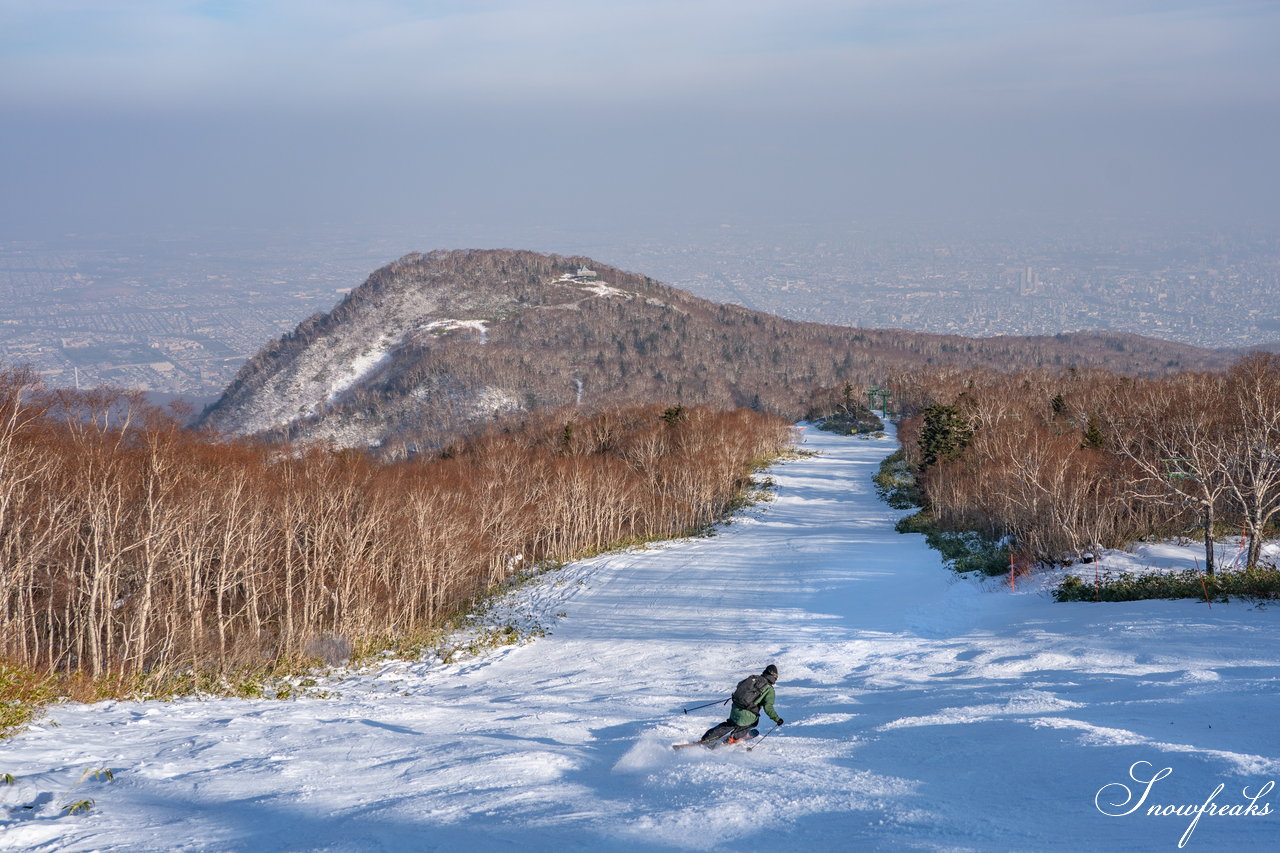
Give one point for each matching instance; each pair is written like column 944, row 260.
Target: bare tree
column 1172, row 432
column 1250, row 450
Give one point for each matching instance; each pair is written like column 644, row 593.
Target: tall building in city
column 1027, row 281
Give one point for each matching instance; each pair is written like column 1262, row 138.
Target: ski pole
column 708, row 705
column 765, row 735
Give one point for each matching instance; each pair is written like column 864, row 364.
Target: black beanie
column 771, row 673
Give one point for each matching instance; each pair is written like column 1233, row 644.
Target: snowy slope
column 924, row 712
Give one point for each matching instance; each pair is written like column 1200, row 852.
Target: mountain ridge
column 433, row 345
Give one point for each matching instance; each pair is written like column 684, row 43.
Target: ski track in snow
column 925, row 712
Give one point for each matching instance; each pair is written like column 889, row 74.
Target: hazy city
column 180, row 316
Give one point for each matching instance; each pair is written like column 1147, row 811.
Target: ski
column 712, row 744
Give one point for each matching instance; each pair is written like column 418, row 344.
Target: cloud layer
column 541, row 105
column 815, row 53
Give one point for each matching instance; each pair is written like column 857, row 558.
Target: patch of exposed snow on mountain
column 602, row 289
column 339, row 360
column 599, row 288
column 485, row 401
column 492, row 399
column 362, row 366
column 480, row 326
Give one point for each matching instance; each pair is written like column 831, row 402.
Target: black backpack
column 748, row 692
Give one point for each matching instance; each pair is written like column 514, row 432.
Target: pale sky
column 628, row 114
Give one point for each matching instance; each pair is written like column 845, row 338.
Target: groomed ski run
column 924, row 712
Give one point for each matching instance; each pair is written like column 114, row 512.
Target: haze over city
column 183, row 181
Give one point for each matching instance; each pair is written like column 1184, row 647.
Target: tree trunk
column 1255, row 542
column 1208, row 538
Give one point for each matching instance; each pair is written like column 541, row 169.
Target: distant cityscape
column 1214, row 294
column 181, row 316
column 165, row 317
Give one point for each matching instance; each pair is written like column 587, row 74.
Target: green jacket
column 745, row 717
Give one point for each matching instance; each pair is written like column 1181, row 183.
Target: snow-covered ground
column 923, row 712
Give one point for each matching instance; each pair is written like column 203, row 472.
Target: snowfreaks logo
column 1117, row 799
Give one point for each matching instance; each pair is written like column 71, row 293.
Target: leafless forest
column 131, row 547
column 1064, row 461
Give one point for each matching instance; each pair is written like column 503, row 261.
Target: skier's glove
column 779, row 722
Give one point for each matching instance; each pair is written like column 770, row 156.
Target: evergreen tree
column 944, row 435
column 1092, row 435
column 847, row 391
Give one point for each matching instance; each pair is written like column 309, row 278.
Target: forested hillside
column 432, row 345
column 141, row 554
column 1065, row 462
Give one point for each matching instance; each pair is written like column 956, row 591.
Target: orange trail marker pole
column 1203, row 585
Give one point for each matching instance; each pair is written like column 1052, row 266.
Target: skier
column 753, row 693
